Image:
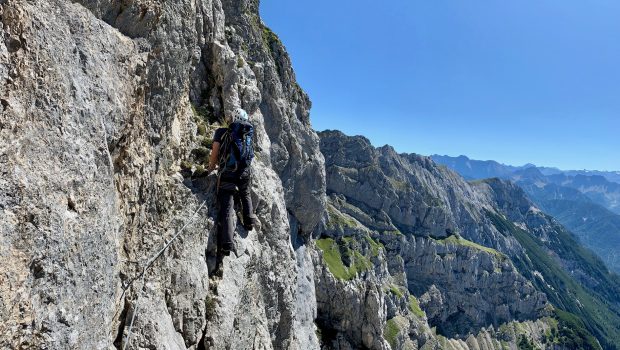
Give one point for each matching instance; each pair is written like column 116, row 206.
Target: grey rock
column 96, row 117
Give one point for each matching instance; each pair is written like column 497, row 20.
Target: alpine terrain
column 585, row 202
column 107, row 233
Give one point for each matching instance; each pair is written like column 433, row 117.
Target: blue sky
column 514, row 81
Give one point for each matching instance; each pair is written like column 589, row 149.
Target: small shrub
column 269, row 37
column 201, row 153
column 525, row 344
column 201, row 130
column 200, row 171
column 207, row 143
column 204, row 114
column 186, row 165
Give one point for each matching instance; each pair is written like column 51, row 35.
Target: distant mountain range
column 613, row 176
column 586, row 202
column 602, row 187
column 476, row 169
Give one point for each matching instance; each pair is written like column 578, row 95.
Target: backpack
column 237, row 150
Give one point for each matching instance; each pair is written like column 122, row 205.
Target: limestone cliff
column 101, row 103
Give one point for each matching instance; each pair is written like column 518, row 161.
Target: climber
column 232, row 155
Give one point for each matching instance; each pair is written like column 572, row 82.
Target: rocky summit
column 107, row 234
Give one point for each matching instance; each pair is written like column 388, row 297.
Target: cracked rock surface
column 99, row 103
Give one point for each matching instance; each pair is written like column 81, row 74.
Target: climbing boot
column 250, row 222
column 227, row 249
column 218, row 271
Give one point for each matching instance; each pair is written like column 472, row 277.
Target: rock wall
column 99, row 102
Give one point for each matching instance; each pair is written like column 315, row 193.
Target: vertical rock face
column 96, row 117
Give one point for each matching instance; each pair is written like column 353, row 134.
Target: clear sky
column 527, row 81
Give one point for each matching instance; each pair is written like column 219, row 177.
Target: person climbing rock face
column 232, row 155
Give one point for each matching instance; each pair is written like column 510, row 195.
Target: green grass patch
column 392, row 232
column 392, row 329
column 333, row 259
column 207, row 143
column 200, row 171
column 201, row 153
column 201, row 129
column 442, row 341
column 210, row 307
column 395, row 290
column 454, row 239
column 205, row 115
column 402, row 186
column 270, row 38
column 360, row 262
column 331, row 256
column 374, row 246
column 414, row 307
column 337, row 219
column 186, row 165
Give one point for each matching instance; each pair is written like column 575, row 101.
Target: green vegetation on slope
column 394, row 290
column 392, row 328
column 572, row 331
column 597, row 227
column 596, row 307
column 454, row 239
column 374, row 246
column 336, row 219
column 333, row 254
column 414, row 307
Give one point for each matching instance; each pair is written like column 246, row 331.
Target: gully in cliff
column 232, row 155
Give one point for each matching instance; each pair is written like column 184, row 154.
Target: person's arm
column 215, row 150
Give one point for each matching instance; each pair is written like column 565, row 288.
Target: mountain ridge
column 587, row 205
column 518, row 241
column 612, row 176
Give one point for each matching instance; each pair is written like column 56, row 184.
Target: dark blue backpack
column 238, row 148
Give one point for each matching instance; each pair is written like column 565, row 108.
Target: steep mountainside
column 582, row 203
column 596, row 227
column 107, row 111
column 493, row 216
column 595, row 187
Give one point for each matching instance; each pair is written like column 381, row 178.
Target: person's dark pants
column 227, row 220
